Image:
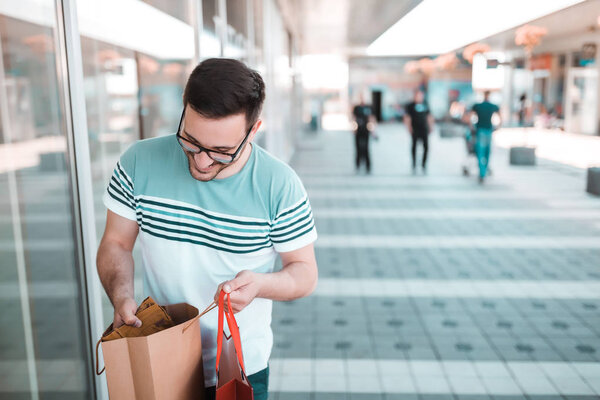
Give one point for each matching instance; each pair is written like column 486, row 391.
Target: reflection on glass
column 237, row 30
column 209, row 38
column 583, row 97
column 161, row 91
column 42, row 336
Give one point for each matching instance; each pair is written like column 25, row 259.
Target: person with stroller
column 484, row 128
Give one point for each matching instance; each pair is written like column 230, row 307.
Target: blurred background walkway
column 434, row 287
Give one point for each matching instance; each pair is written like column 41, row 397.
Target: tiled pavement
column 433, row 287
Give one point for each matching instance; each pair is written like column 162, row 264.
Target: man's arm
column 468, row 118
column 298, row 278
column 408, row 123
column 115, row 267
column 499, row 118
column 431, row 122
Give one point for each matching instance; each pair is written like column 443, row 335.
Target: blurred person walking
column 483, row 131
column 419, row 122
column 363, row 116
column 522, row 114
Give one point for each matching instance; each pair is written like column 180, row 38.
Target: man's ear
column 254, row 130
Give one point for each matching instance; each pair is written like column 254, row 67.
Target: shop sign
column 541, row 61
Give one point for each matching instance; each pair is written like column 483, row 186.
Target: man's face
column 223, row 135
column 419, row 97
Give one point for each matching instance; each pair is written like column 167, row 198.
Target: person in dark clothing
column 419, row 122
column 363, row 117
column 484, row 128
column 522, row 109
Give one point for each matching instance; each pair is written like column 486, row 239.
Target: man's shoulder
column 271, row 166
column 145, row 153
column 275, row 174
column 154, row 144
column 489, row 104
column 152, row 148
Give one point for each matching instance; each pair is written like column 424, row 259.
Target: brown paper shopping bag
column 232, row 382
column 166, row 365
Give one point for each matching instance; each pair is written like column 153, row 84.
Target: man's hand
column 125, row 313
column 243, row 289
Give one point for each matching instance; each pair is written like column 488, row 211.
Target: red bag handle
column 233, row 328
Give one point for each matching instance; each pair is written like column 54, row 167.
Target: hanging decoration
column 476, row 48
column 446, row 62
column 529, row 36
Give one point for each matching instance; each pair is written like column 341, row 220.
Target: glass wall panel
column 210, row 42
column 257, row 16
column 133, row 87
column 237, row 30
column 278, row 130
column 43, row 338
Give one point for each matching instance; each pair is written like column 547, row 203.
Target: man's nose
column 202, row 160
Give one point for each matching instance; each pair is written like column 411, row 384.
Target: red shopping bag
column 232, row 382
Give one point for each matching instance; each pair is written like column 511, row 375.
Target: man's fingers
column 131, row 319
column 117, row 321
column 239, row 301
column 242, row 279
column 216, row 298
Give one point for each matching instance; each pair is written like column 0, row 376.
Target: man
column 484, row 128
column 419, row 122
column 364, row 119
column 212, row 210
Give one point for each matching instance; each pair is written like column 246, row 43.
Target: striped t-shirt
column 195, row 235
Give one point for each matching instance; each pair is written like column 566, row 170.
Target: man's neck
column 237, row 165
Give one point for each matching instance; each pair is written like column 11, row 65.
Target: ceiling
column 344, row 27
column 576, row 20
column 348, row 27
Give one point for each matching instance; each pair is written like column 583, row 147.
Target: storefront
column 557, row 86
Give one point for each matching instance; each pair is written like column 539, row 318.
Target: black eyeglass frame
column 208, row 151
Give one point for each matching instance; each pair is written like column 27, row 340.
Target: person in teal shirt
column 484, row 128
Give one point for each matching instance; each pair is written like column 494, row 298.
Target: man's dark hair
column 221, row 87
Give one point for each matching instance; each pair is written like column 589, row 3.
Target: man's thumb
column 233, row 284
column 131, row 319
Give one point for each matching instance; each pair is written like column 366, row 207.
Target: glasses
column 218, row 156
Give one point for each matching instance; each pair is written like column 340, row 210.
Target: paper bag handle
column 233, row 329
column 191, row 322
column 98, row 360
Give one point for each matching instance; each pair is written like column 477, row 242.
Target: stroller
column 470, row 160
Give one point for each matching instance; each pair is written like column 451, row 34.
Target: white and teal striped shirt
column 195, row 235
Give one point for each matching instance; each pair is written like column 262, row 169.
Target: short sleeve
column 293, row 226
column 119, row 195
